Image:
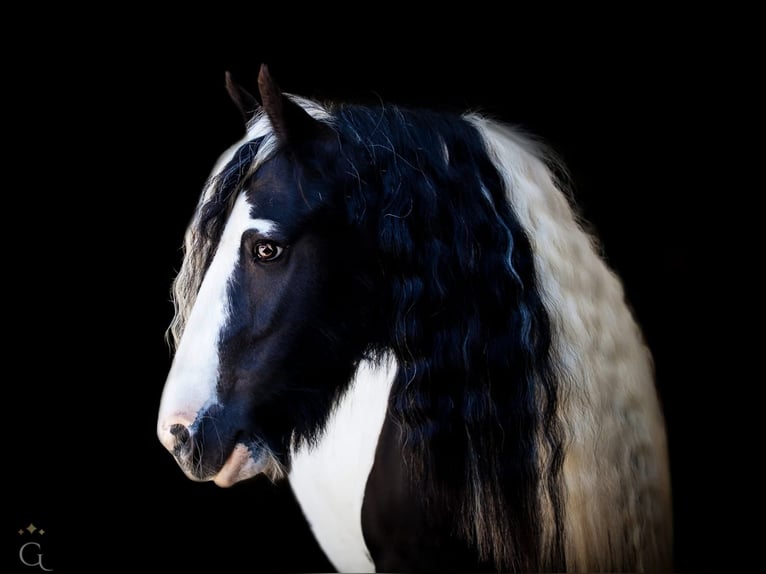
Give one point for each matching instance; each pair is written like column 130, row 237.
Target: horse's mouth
column 241, row 464
column 243, row 461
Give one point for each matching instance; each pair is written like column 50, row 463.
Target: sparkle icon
column 31, row 528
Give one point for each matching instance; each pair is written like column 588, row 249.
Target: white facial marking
column 329, row 480
column 191, row 383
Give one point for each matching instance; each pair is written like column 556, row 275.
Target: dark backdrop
column 110, row 154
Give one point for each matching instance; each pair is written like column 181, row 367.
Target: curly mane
column 476, row 387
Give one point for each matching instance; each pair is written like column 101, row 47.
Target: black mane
column 467, row 324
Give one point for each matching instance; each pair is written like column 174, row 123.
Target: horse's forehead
column 243, row 219
column 274, row 191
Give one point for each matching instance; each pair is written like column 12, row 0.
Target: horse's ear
column 244, row 100
column 291, row 123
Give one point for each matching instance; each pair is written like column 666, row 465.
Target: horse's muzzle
column 206, row 451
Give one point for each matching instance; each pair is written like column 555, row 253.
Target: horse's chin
column 240, row 466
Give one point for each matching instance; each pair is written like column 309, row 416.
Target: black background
column 110, row 149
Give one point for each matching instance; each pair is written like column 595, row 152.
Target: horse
column 401, row 312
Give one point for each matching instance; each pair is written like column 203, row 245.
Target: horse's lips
column 239, row 466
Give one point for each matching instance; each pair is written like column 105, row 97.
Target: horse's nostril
column 181, row 433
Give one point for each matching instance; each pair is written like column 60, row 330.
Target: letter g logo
column 32, row 557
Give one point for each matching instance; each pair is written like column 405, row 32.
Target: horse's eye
column 266, row 251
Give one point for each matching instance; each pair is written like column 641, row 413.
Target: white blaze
column 191, row 383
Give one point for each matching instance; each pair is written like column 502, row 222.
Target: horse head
column 271, row 317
